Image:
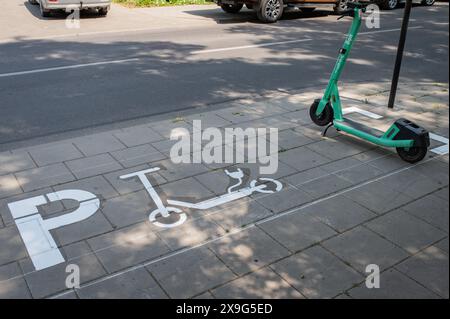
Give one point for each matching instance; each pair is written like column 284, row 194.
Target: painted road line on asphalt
column 76, row 66
column 248, row 46
column 283, row 42
column 67, row 67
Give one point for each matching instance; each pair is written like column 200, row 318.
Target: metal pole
column 400, row 49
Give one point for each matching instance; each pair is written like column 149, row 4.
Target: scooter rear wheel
column 325, row 118
column 413, row 154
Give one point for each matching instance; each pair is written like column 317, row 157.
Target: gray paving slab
column 54, row 153
column 98, row 143
column 300, row 116
column 412, row 183
column 171, row 171
column 297, row 231
column 286, row 199
column 435, row 170
column 11, row 162
column 278, row 121
column 237, row 114
column 302, row 158
column 379, row 197
column 316, row 273
column 393, row 285
column 14, row 249
column 208, row 119
column 248, row 250
column 216, row 181
column 127, row 247
column 167, row 127
column 44, row 210
column 205, row 295
column 359, row 173
column 335, row 148
column 42, row 177
column 291, row 139
column 49, row 281
column 12, row 283
column 261, row 284
column 429, row 268
column 9, row 186
column 91, row 166
column 340, row 213
column 443, row 245
column 432, row 209
column 324, row 186
column 128, row 209
column 135, row 284
column 138, row 155
column 191, row 273
column 238, row 214
column 137, row 135
column 388, row 163
column 164, row 146
column 304, row 177
column 360, row 247
column 67, row 295
column 188, row 189
column 442, row 194
column 97, row 185
column 191, row 233
column 95, row 225
column 406, row 231
column 252, row 170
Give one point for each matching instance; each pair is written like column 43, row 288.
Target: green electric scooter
column 410, row 140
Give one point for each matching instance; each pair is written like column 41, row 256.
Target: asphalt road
column 55, row 82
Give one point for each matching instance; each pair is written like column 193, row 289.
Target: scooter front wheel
column 324, row 118
column 413, row 154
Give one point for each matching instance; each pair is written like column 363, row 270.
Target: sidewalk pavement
column 345, row 204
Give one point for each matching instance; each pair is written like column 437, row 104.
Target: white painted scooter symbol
column 231, row 195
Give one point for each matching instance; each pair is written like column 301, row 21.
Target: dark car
column 272, row 10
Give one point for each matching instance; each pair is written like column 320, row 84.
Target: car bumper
column 80, row 5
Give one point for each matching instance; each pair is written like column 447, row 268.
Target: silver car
column 47, row 6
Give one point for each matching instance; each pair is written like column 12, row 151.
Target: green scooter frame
column 410, row 140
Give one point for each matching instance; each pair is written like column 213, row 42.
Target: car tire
column 33, row 2
column 388, row 4
column 231, row 8
column 427, row 2
column 103, row 12
column 44, row 13
column 341, row 6
column 269, row 11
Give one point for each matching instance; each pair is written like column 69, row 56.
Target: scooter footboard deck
column 361, row 127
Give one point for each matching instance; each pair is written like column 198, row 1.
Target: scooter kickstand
column 326, row 129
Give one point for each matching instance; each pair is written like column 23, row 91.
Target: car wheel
column 103, row 12
column 341, row 6
column 231, row 8
column 44, row 12
column 428, row 2
column 270, row 10
column 33, row 1
column 388, row 4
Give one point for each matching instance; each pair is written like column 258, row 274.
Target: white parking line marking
column 67, row 67
column 248, row 46
column 441, row 150
column 354, row 109
column 389, row 30
column 283, row 42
